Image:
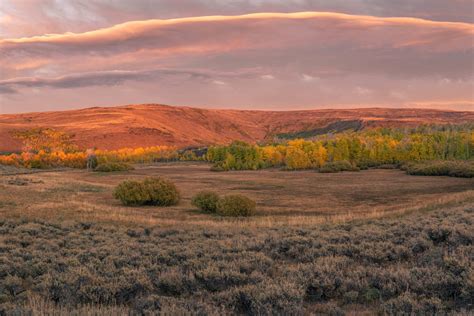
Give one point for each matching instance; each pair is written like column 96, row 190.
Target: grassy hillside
column 153, row 124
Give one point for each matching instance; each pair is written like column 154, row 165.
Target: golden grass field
column 283, row 198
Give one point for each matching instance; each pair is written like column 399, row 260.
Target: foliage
column 45, row 140
column 462, row 169
column 235, row 205
column 338, row 166
column 113, row 166
column 44, row 160
column 206, row 201
column 138, row 155
column 78, row 159
column 364, row 149
column 237, row 156
column 151, row 191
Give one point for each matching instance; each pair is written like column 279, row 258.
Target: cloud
column 362, row 91
column 158, row 59
column 33, row 17
column 338, row 42
column 219, row 82
column 117, row 77
column 308, row 78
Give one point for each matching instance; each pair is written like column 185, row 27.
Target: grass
column 376, row 241
column 284, row 198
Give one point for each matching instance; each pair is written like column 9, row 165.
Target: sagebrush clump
column 152, row 191
column 462, row 169
column 236, row 205
column 338, row 166
column 206, row 201
column 113, row 166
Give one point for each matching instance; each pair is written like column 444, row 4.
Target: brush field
column 375, row 241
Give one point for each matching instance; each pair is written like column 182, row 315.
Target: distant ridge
column 157, row 124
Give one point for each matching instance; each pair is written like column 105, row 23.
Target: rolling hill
column 154, row 124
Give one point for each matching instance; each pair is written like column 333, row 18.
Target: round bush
column 151, row 191
column 235, row 205
column 113, row 166
column 206, row 201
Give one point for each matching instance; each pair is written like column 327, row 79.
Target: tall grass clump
column 152, row 191
column 206, row 201
column 236, row 205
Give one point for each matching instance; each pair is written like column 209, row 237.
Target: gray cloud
column 117, row 77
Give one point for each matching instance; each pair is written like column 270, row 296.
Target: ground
column 355, row 242
column 283, row 197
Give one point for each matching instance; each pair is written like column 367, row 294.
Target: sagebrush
column 151, row 191
column 420, row 264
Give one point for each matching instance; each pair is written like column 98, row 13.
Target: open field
column 299, row 197
column 352, row 242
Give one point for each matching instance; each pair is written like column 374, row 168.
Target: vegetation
column 418, row 264
column 151, row 191
column 45, row 140
column 328, row 153
column 206, row 201
column 338, row 166
column 235, row 205
column 462, row 169
column 138, row 155
column 113, row 166
column 48, row 148
column 78, row 159
column 364, row 149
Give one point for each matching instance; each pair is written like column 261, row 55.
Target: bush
column 151, row 191
column 113, row 166
column 206, row 201
column 462, row 169
column 235, row 205
column 338, row 166
column 218, row 167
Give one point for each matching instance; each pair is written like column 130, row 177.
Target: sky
column 243, row 54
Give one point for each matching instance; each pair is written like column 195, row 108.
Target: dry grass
column 283, row 198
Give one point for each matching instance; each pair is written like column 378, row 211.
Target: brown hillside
column 148, row 125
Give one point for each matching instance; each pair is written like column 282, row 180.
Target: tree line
column 364, row 149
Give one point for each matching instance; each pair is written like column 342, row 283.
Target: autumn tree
column 45, row 140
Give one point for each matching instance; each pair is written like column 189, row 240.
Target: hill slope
column 153, row 124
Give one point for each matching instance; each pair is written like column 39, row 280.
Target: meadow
column 374, row 241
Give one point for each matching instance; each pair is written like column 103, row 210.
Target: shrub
column 151, row 191
column 338, row 166
column 206, row 201
column 462, row 169
column 235, row 205
column 113, row 166
column 218, row 167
